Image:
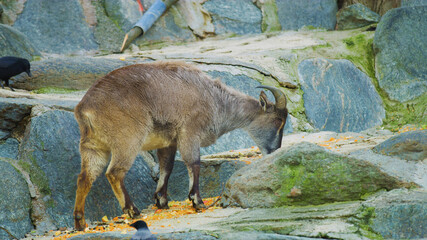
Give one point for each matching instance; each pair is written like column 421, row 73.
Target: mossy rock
column 305, row 174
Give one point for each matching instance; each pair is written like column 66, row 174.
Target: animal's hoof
column 133, row 212
column 79, row 223
column 199, row 206
column 161, row 201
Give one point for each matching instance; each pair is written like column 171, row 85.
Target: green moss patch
column 397, row 114
column 53, row 90
column 37, row 176
column 313, row 177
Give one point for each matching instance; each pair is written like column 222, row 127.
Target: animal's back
column 157, row 88
column 11, row 66
column 148, row 96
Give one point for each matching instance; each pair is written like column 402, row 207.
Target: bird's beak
column 29, row 73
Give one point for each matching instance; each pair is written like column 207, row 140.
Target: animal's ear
column 263, row 100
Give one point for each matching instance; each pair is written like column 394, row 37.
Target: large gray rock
column 14, row 43
column 294, row 15
column 408, row 171
column 356, row 16
column 238, row 16
column 53, row 28
column 411, row 146
column 338, row 96
column 67, row 72
column 399, row 56
column 399, row 214
column 298, row 176
column 15, row 202
column 50, row 148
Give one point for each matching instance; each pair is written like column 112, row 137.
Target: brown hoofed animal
column 167, row 106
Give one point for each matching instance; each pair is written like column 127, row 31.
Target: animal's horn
column 278, row 95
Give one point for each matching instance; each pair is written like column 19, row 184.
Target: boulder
column 338, row 96
column 53, row 28
column 15, row 203
column 410, row 146
column 356, row 16
column 67, row 72
column 294, row 15
column 408, row 171
column 228, row 18
column 14, row 43
column 9, row 148
column 298, row 176
column 399, row 60
column 50, row 150
column 412, row 3
column 398, row 214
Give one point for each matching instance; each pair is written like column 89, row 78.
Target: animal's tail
column 84, row 121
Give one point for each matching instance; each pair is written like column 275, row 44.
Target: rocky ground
column 353, row 160
column 333, row 220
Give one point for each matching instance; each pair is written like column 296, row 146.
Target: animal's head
column 267, row 128
column 27, row 66
column 139, row 225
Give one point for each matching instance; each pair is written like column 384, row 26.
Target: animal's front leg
column 191, row 155
column 194, row 193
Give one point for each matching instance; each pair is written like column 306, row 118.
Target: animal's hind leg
column 121, row 162
column 93, row 163
column 166, row 160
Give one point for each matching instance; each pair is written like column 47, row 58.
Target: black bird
column 12, row 66
column 143, row 232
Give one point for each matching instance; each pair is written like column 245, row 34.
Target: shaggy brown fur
column 167, row 106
